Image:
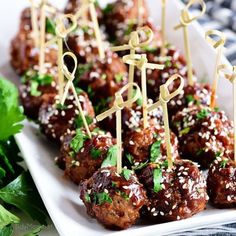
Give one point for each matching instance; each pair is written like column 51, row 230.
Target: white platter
column 59, row 195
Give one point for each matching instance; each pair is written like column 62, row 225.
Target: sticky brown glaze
column 125, row 198
column 120, row 13
column 32, row 102
column 81, row 164
column 203, row 134
column 84, row 44
column 73, row 6
column 197, row 94
column 104, row 77
column 221, row 183
column 138, row 143
column 55, row 121
column 174, row 62
column 181, row 193
column 132, row 117
column 24, row 54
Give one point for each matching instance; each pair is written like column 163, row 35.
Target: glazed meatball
column 73, row 6
column 132, row 117
column 174, row 64
column 82, row 162
column 102, row 79
column 120, row 13
column 24, row 54
column 196, row 94
column 173, row 194
column 37, row 90
column 221, row 183
column 84, row 44
column 148, row 144
column 56, row 120
column 113, row 199
column 203, row 134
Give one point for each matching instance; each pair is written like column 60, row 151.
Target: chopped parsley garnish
column 108, row 9
column 85, row 28
column 59, row 106
column 90, row 92
column 165, row 164
column 140, row 100
column 101, row 198
column 185, row 131
column 124, row 195
column 50, row 27
column 118, row 78
column 111, row 158
column 95, row 153
column 200, row 152
column 87, row 197
column 217, row 109
column 202, row 114
column 130, row 158
column 78, row 141
column 34, row 89
column 223, row 163
column 218, row 154
column 129, row 29
column 104, row 76
column 82, row 69
column 140, row 166
column 127, row 173
column 149, row 49
column 190, row 98
column 157, row 178
column 102, row 105
column 79, row 121
column 113, row 184
column 168, row 63
column 155, row 151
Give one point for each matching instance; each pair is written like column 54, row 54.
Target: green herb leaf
column 129, row 29
column 218, row 154
column 95, row 153
column 190, row 98
column 111, row 158
column 165, row 164
column 202, row 114
column 199, row 152
column 155, row 151
column 149, row 49
column 6, row 231
column 216, row 109
column 79, row 121
column 82, row 69
column 108, row 9
column 127, row 173
column 101, row 198
column 87, row 197
column 35, row 232
column 50, row 27
column 6, row 217
column 223, row 163
column 140, row 166
column 78, row 141
column 130, row 158
column 11, row 114
column 184, row 131
column 118, row 78
column 157, row 178
column 34, row 89
column 22, row 194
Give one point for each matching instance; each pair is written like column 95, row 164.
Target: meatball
column 84, row 44
column 56, row 120
column 102, row 79
column 36, row 90
column 174, row 63
column 82, row 162
column 196, row 94
column 113, row 199
column 121, row 13
column 24, row 54
column 132, row 117
column 221, row 183
column 148, row 144
column 173, row 194
column 203, row 134
column 73, row 6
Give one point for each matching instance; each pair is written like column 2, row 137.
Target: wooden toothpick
column 140, row 13
column 89, row 5
column 163, row 27
column 118, row 105
column 164, row 98
column 34, row 23
column 135, row 44
column 185, row 20
column 218, row 45
column 62, row 31
column 141, row 62
column 70, row 76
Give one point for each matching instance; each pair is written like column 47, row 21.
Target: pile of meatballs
column 201, row 137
